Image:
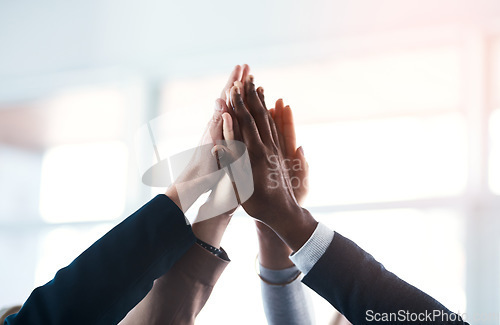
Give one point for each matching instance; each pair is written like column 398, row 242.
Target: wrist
column 295, row 227
column 188, row 188
column 174, row 196
column 273, row 252
column 212, row 230
column 267, row 237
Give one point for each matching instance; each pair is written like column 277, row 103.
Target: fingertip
column 299, row 154
column 238, row 83
column 279, row 104
column 245, row 71
column 217, row 113
column 249, row 85
column 260, row 94
column 287, row 113
column 236, row 72
column 235, row 92
column 271, row 111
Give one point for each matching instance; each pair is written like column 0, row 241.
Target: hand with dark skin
column 275, row 206
column 273, row 252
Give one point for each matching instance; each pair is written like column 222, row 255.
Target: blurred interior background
column 397, row 105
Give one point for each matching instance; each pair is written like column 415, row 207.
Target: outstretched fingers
column 260, row 93
column 278, row 120
column 288, row 131
column 274, row 132
column 234, row 76
column 234, row 121
column 215, row 123
column 258, row 110
column 245, row 72
column 244, row 75
column 248, row 127
column 301, row 171
column 223, row 151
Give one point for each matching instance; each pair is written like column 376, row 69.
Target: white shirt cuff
column 313, row 249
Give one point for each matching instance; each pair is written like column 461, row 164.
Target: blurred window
column 494, row 162
column 64, row 175
column 84, row 182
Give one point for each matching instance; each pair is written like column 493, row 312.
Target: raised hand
column 273, row 252
column 209, row 226
column 273, row 201
column 204, row 165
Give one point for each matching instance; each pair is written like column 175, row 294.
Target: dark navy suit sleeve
column 355, row 284
column 114, row 274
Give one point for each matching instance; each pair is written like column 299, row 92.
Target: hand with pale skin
column 220, row 127
column 275, row 206
column 297, row 165
column 152, row 309
column 202, row 163
column 273, row 252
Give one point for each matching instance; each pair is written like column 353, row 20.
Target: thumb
column 222, row 150
column 227, row 127
column 215, row 124
column 300, row 170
